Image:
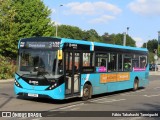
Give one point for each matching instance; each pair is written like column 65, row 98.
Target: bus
column 62, row 68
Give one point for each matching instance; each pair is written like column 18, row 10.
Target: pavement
column 154, row 73
column 6, row 80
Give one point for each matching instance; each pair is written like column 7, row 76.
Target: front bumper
column 57, row 93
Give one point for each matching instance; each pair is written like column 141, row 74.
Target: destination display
column 43, row 45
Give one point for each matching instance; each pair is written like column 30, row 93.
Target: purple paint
column 101, row 69
column 139, row 69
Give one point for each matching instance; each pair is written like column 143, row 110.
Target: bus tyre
column 86, row 92
column 135, row 86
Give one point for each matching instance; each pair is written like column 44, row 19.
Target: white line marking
column 71, row 106
column 98, row 99
column 132, row 118
column 75, row 108
column 112, row 101
column 157, row 88
column 36, row 119
column 133, row 92
column 152, row 95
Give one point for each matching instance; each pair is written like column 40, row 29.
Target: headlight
column 52, row 86
column 17, row 84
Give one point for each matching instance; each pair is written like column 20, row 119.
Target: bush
column 7, row 68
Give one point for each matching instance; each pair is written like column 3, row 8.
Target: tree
column 92, row 35
column 7, row 14
column 118, row 39
column 72, row 32
column 151, row 57
column 108, row 38
column 151, row 45
column 76, row 33
column 21, row 19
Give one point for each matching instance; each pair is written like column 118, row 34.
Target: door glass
column 72, row 72
column 68, row 72
column 76, row 71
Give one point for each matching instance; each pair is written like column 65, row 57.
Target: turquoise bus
column 61, row 68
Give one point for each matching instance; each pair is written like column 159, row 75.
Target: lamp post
column 57, row 21
column 146, row 44
column 124, row 37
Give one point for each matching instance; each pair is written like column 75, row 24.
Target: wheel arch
column 136, row 83
column 91, row 89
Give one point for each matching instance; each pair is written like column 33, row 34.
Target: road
column 146, row 99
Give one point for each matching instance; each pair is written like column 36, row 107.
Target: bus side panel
column 142, row 77
column 99, row 88
column 94, row 79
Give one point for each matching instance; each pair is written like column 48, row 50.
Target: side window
column 101, row 59
column 101, row 62
column 112, row 62
column 127, row 63
column 77, row 59
column 88, row 59
column 135, row 61
column 143, row 61
column 120, row 65
column 87, row 63
column 69, row 61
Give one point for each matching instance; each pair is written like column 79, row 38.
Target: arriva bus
column 61, row 68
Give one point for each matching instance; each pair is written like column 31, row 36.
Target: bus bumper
column 56, row 93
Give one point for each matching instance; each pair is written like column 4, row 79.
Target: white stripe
column 92, row 46
column 71, row 106
column 113, row 101
column 75, row 108
column 87, row 77
column 132, row 92
column 97, row 99
column 157, row 88
column 152, row 95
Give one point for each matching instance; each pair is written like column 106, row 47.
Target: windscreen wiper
column 41, row 72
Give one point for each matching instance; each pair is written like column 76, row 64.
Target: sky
column 110, row 16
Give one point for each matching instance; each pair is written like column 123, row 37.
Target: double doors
column 72, row 73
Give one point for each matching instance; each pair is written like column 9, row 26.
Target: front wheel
column 86, row 92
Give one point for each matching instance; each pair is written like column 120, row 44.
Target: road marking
column 74, row 109
column 97, row 99
column 70, row 106
column 157, row 88
column 132, row 118
column 133, row 92
column 112, row 100
column 36, row 119
column 152, row 95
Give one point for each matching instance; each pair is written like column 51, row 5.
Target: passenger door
column 72, row 73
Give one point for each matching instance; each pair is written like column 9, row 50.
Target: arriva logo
column 33, row 82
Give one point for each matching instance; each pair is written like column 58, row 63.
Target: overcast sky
column 112, row 16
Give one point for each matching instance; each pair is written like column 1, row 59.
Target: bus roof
column 66, row 40
column 83, row 42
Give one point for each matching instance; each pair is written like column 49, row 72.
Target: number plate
column 32, row 95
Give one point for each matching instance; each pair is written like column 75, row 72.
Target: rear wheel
column 136, row 84
column 86, row 92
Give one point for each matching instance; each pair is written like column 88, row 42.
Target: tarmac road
column 147, row 99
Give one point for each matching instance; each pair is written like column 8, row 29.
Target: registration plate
column 32, row 95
